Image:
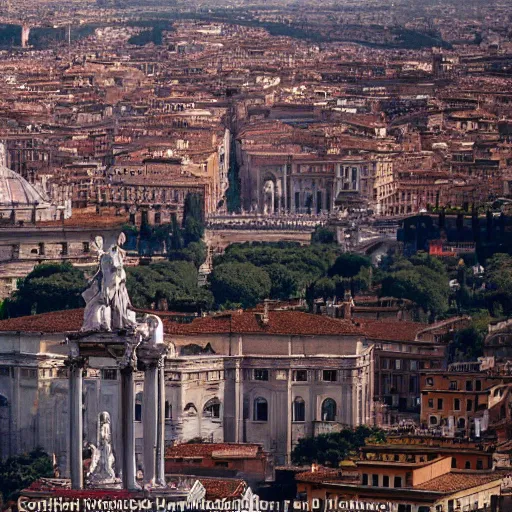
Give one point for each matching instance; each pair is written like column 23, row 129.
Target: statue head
column 104, row 417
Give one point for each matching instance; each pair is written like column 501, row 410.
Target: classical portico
column 111, row 331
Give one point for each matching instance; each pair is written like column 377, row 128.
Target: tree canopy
column 421, row 279
column 331, row 449
column 18, row 472
column 172, row 282
column 239, row 283
column 49, row 287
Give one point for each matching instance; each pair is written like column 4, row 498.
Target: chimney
column 347, row 306
column 265, row 318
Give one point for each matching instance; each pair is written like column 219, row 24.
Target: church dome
column 17, row 192
column 21, row 202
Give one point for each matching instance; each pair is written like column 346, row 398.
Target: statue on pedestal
column 101, row 471
column 107, row 301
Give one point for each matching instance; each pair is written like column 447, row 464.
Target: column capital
column 128, row 362
column 76, row 362
column 151, row 357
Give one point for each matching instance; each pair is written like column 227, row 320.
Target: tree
column 349, row 265
column 49, row 287
column 323, row 235
column 18, row 472
column 331, row 449
column 242, row 283
column 304, row 264
column 284, row 283
column 173, row 284
column 420, row 284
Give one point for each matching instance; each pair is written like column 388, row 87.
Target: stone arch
column 299, row 409
column 328, row 410
column 260, row 409
column 212, row 408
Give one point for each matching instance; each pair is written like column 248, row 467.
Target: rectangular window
column 329, row 375
column 5, row 371
column 385, row 481
column 300, row 375
column 414, row 365
column 478, row 385
column 453, row 385
column 365, row 479
column 398, row 364
column 469, row 385
column 221, row 464
column 439, row 403
column 109, row 374
column 168, row 410
column 260, row 374
column 41, row 249
column 469, row 405
column 281, row 375
column 64, row 251
column 385, row 364
column 456, row 404
column 86, row 248
column 375, row 480
column 431, row 403
column 479, row 464
column 397, row 481
column 28, row 373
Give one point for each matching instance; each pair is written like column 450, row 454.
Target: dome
column 16, row 192
column 21, row 202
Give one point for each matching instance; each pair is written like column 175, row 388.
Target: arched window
column 299, row 409
column 433, row 420
column 212, row 409
column 168, row 410
column 329, row 410
column 138, row 406
column 461, row 423
column 190, row 409
column 260, row 409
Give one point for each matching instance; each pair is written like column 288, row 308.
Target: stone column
column 127, row 428
column 76, row 365
column 150, row 421
column 160, row 441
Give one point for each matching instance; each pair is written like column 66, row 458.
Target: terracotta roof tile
column 217, row 488
column 458, row 481
column 280, row 322
column 391, row 331
column 56, row 321
column 212, row 449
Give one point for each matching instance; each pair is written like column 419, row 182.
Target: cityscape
column 256, row 255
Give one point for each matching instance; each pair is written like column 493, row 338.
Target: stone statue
column 101, row 471
column 107, row 301
column 268, row 197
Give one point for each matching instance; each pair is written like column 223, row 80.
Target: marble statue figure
column 108, row 305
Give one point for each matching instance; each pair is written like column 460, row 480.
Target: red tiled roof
column 391, row 331
column 212, row 450
column 455, row 481
column 56, row 321
column 326, row 475
column 280, row 322
column 217, row 488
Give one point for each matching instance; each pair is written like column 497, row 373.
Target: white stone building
column 268, row 378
